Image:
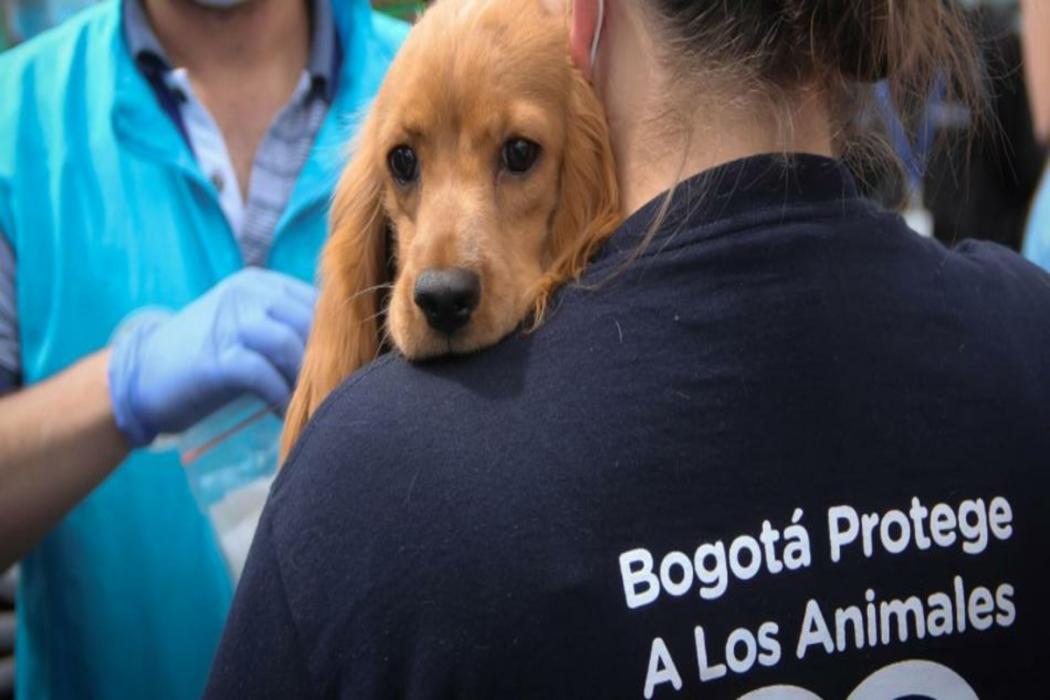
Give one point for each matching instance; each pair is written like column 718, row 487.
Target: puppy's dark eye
column 403, row 164
column 519, row 155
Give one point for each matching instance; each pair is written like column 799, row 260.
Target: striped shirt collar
column 322, row 64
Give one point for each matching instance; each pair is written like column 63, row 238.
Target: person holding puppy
column 774, row 443
column 153, row 153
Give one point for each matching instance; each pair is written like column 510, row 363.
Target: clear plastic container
column 231, row 460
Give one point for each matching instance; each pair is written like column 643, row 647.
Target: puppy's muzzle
column 447, row 297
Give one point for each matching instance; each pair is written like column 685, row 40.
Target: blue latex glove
column 246, row 335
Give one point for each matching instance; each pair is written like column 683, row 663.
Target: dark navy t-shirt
column 793, row 450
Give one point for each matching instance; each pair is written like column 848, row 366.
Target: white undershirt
column 210, row 148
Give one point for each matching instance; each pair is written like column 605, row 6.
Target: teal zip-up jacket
column 107, row 211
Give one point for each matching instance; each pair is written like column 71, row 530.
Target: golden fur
column 472, row 75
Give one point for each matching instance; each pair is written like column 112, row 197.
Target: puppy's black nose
column 448, row 297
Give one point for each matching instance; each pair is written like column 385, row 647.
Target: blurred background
column 965, row 185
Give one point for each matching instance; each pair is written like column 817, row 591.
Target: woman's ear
column 585, row 18
column 589, row 208
column 345, row 334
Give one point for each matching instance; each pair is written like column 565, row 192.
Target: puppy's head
column 490, row 155
column 482, row 179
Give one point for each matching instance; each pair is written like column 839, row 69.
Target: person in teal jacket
column 152, row 154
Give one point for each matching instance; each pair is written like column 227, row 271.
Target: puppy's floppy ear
column 346, row 329
column 589, row 208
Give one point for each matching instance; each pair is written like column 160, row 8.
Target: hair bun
column 855, row 36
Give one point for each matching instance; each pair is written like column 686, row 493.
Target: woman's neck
column 659, row 140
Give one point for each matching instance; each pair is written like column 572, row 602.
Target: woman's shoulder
column 1004, row 280
column 393, row 412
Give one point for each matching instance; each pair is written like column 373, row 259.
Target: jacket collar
column 142, row 125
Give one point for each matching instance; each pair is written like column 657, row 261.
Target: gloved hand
column 245, row 335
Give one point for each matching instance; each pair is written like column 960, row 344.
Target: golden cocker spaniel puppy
column 482, row 180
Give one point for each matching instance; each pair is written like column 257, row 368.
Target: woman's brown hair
column 771, row 47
